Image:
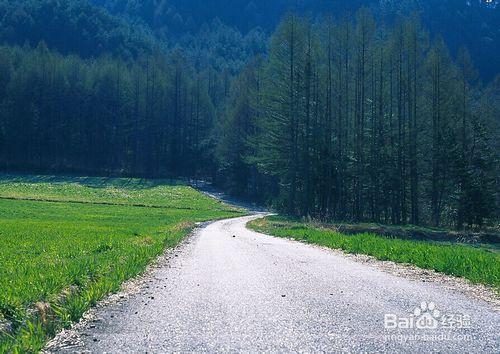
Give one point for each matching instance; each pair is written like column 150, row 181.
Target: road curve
column 234, row 290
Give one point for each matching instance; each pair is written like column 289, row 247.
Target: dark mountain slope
column 471, row 23
column 71, row 27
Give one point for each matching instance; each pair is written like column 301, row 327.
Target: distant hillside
column 71, row 27
column 225, row 36
column 473, row 23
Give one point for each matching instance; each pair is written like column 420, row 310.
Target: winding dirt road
column 228, row 289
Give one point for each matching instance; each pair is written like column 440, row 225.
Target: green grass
column 477, row 265
column 66, row 243
column 110, row 191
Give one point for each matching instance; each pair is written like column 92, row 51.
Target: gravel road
column 228, row 289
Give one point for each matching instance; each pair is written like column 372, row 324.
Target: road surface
column 230, row 289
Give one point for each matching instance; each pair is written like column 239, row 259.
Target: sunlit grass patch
column 109, row 191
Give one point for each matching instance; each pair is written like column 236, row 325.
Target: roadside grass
column 59, row 258
column 476, row 264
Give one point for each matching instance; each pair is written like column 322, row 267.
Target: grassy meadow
column 479, row 265
column 68, row 242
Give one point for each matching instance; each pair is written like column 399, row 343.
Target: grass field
column 476, row 264
column 66, row 243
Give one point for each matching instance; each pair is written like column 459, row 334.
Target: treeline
column 150, row 117
column 353, row 121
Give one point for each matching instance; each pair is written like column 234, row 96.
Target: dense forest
column 350, row 116
column 360, row 122
column 72, row 27
column 470, row 23
column 228, row 36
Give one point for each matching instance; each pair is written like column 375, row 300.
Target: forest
column 358, row 122
column 326, row 117
column 470, row 23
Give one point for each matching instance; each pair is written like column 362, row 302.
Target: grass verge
column 477, row 265
column 67, row 243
